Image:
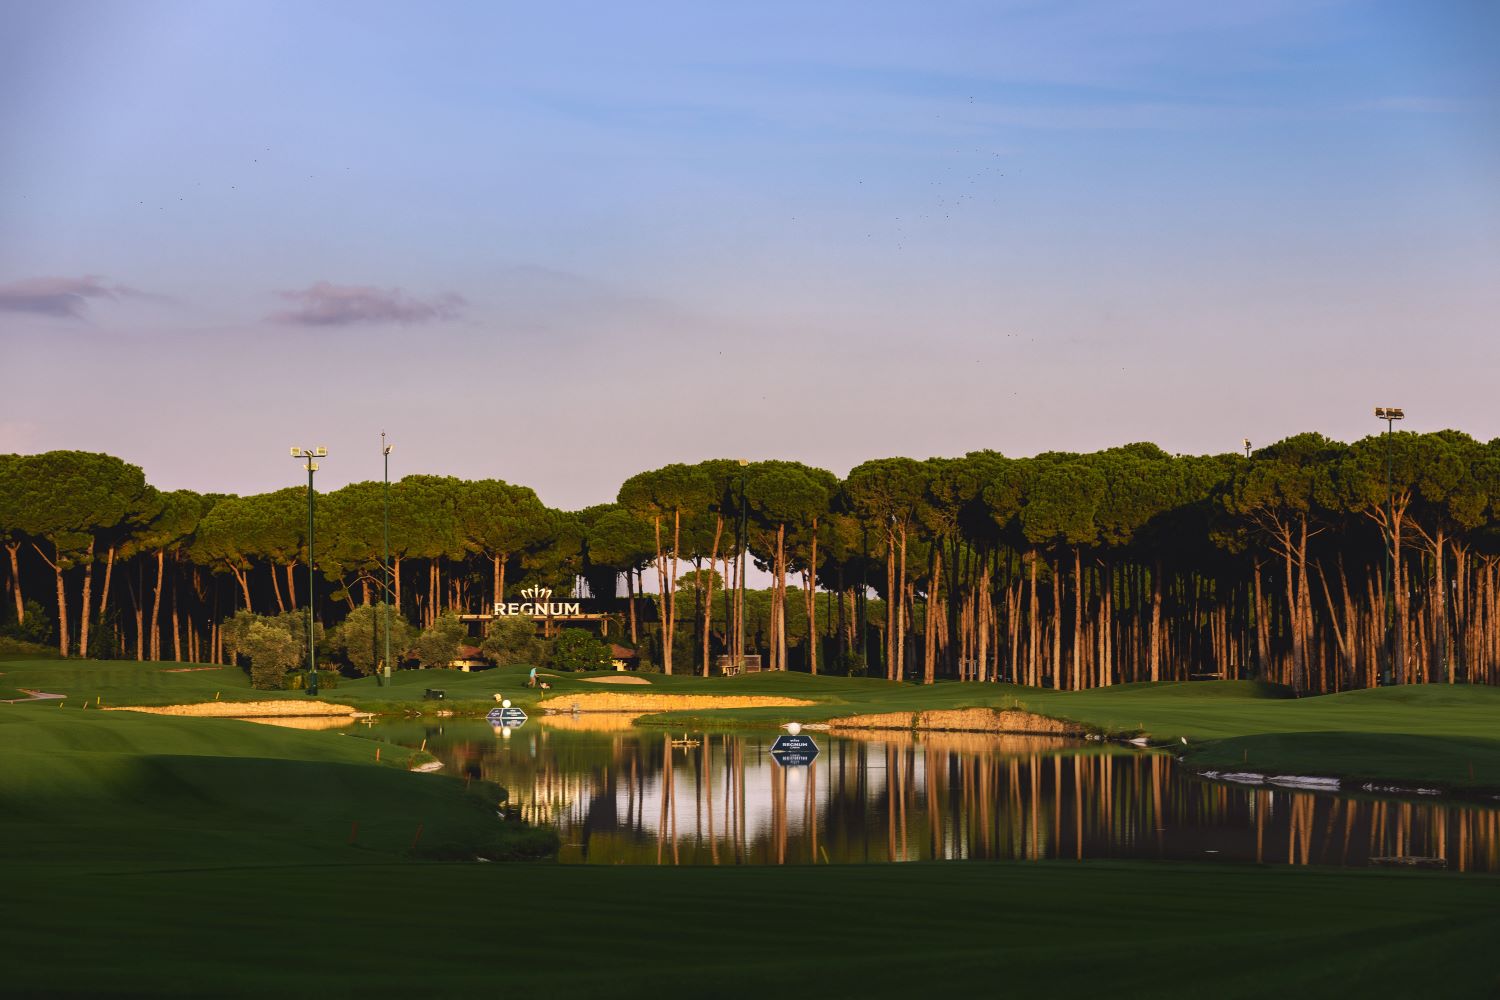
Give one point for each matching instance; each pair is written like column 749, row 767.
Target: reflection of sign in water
column 507, row 717
column 791, row 751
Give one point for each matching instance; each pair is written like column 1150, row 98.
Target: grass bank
column 132, row 789
column 1448, row 734
column 1132, row 930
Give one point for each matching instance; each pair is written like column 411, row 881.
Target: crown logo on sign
column 534, row 593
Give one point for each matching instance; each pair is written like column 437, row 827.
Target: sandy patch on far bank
column 963, row 720
column 627, row 679
column 241, row 709
column 606, row 722
column 612, row 702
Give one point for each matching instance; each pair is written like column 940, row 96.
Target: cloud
column 326, row 304
column 65, row 297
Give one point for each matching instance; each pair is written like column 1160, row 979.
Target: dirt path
column 33, row 696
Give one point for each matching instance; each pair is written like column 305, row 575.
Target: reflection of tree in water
column 633, row 797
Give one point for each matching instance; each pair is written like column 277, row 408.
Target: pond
column 623, row 795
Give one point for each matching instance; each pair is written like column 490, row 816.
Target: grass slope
column 1125, row 930
column 1226, row 723
column 122, row 788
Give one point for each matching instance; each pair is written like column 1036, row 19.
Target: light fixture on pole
column 308, row 455
column 739, row 574
column 385, row 452
column 1390, row 414
column 1246, row 443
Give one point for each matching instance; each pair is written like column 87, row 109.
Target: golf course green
column 158, row 855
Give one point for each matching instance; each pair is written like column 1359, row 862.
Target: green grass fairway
column 124, row 788
column 975, row 929
column 1451, row 733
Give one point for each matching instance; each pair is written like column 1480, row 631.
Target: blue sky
column 560, row 243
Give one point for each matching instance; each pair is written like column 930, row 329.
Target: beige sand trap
column 241, row 709
column 963, row 720
column 596, row 722
column 626, row 679
column 644, row 703
column 302, row 721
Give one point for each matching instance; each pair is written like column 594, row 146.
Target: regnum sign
column 537, row 602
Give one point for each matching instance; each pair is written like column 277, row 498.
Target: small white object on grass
column 505, row 703
column 792, row 727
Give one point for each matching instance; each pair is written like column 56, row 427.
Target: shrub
column 36, row 628
column 360, row 638
column 438, row 645
column 850, row 664
column 513, row 640
column 577, row 649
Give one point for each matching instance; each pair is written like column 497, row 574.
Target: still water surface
column 629, row 796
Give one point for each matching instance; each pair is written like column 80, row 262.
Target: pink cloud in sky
column 64, row 297
column 327, row 304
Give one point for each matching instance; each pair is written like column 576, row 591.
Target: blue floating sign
column 793, row 751
column 508, row 717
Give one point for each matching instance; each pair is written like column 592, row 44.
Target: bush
column 272, row 644
column 360, row 638
column 513, row 640
column 850, row 664
column 577, row 649
column 645, row 666
column 297, row 680
column 438, row 645
column 36, row 628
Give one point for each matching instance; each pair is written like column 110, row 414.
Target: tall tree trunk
column 276, row 587
column 62, row 597
column 812, row 604
column 901, row 611
column 176, row 626
column 1154, row 656
column 14, row 549
column 161, row 559
column 109, row 572
column 88, row 602
column 892, row 604
column 1078, row 596
column 291, row 586
column 708, row 596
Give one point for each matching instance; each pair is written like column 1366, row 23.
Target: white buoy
column 505, row 703
column 793, row 727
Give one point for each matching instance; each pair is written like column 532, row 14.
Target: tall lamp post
column 385, row 452
column 1390, row 414
column 740, row 541
column 308, row 455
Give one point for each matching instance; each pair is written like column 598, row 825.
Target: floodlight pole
column 740, row 574
column 312, row 656
column 1390, row 414
column 385, row 451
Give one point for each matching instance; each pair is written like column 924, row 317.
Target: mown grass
column 1340, row 734
column 976, row 929
column 120, row 787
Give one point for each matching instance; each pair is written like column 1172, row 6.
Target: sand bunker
column 644, row 703
column 595, row 722
column 241, row 709
column 626, row 679
column 963, row 720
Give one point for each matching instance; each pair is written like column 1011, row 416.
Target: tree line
column 1312, row 563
